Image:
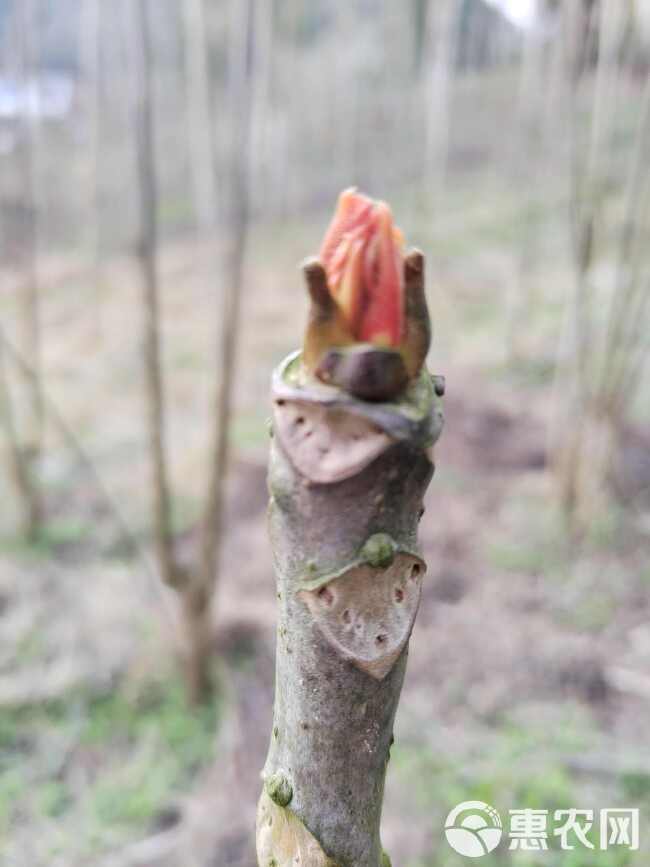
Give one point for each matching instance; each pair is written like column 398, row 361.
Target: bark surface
column 348, row 581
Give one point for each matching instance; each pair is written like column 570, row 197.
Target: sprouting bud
column 368, row 330
column 363, row 259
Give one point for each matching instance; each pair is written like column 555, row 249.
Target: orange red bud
column 363, row 259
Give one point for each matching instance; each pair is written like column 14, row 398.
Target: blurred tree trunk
column 200, row 116
column 147, row 247
column 29, row 441
column 439, row 51
column 347, row 94
column 288, row 186
column 261, row 120
column 572, row 372
column 241, row 64
column 17, row 459
column 526, row 163
column 91, row 65
column 603, row 350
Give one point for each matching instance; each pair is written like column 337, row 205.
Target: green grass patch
column 50, row 539
column 104, row 766
column 518, row 767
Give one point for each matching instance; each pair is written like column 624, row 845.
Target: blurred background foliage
column 512, row 141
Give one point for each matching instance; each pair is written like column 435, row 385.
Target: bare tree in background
column 196, row 583
column 438, row 62
column 605, row 343
column 261, row 114
column 528, row 158
column 24, row 430
column 147, row 256
column 347, row 94
column 240, row 70
column 91, row 65
column 200, row 115
column 288, row 185
column 17, row 458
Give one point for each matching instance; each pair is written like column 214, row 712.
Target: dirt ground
column 527, row 683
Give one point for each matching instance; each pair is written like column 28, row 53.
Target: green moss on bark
column 279, row 789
